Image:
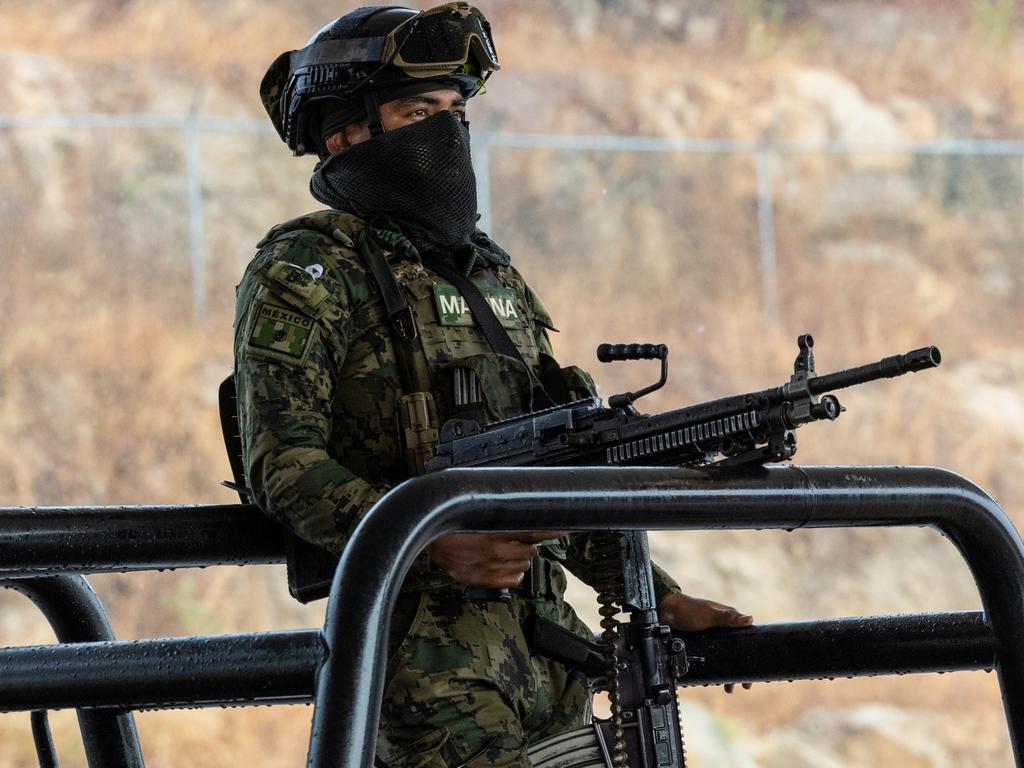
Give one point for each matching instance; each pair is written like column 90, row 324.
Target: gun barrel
column 886, row 368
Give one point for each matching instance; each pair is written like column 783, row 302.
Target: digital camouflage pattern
column 463, row 687
column 316, row 372
column 318, row 390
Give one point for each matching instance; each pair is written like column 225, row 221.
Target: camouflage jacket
column 318, row 381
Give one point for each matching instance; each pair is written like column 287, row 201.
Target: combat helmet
column 370, row 56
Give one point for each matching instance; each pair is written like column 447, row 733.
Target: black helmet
column 371, row 56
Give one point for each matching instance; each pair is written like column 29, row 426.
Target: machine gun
column 757, row 427
column 640, row 661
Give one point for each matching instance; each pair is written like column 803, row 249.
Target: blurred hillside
column 107, row 382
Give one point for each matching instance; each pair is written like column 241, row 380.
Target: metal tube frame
column 281, row 667
column 43, row 740
column 36, row 541
column 46, row 543
column 384, row 545
column 76, row 615
column 348, row 683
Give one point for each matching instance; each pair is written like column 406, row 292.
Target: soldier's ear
column 337, row 142
column 353, row 133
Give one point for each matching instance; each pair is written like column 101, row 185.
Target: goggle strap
column 373, row 118
column 361, row 50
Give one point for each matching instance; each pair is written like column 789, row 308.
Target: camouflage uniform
column 318, row 393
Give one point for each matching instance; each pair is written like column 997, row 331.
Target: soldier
column 353, row 343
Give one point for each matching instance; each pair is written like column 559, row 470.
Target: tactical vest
column 446, row 368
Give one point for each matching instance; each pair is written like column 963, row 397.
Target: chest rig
column 503, row 374
column 476, row 357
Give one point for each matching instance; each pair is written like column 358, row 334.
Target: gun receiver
column 756, row 427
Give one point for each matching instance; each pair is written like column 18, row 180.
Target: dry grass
column 107, row 389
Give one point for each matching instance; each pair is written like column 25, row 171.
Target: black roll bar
column 852, row 647
column 281, row 667
column 347, row 686
column 383, row 546
column 224, row 670
column 42, row 540
column 77, row 616
column 43, row 740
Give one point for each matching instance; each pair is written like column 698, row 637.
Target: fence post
column 193, row 181
column 766, row 232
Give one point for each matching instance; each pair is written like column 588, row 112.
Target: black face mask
column 419, row 176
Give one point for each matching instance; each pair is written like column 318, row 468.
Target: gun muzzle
column 926, row 357
column 886, row 368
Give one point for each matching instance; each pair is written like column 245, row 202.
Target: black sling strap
column 488, row 322
column 399, row 312
column 400, row 315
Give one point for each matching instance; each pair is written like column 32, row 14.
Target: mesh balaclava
column 419, row 176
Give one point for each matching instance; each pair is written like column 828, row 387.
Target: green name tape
column 453, row 310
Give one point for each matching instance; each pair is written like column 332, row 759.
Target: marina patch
column 452, row 309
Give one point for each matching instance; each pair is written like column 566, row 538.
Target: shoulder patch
column 279, row 332
column 297, row 287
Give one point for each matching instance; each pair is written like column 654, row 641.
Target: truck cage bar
column 44, row 551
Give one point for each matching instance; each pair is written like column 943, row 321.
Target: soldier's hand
column 691, row 614
column 492, row 560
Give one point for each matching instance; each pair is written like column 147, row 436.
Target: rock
column 703, row 31
column 668, row 18
column 916, row 118
column 792, row 749
column 983, row 383
column 711, row 740
column 852, row 117
column 863, row 737
column 879, row 197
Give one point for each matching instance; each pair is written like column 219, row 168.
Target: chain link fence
column 768, row 164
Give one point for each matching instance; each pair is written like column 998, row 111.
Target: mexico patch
column 452, row 308
column 282, row 332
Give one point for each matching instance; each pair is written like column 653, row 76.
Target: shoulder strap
column 400, row 315
column 417, row 412
column 490, row 326
column 399, row 312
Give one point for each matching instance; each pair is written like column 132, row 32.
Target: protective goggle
column 433, row 43
column 439, row 41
